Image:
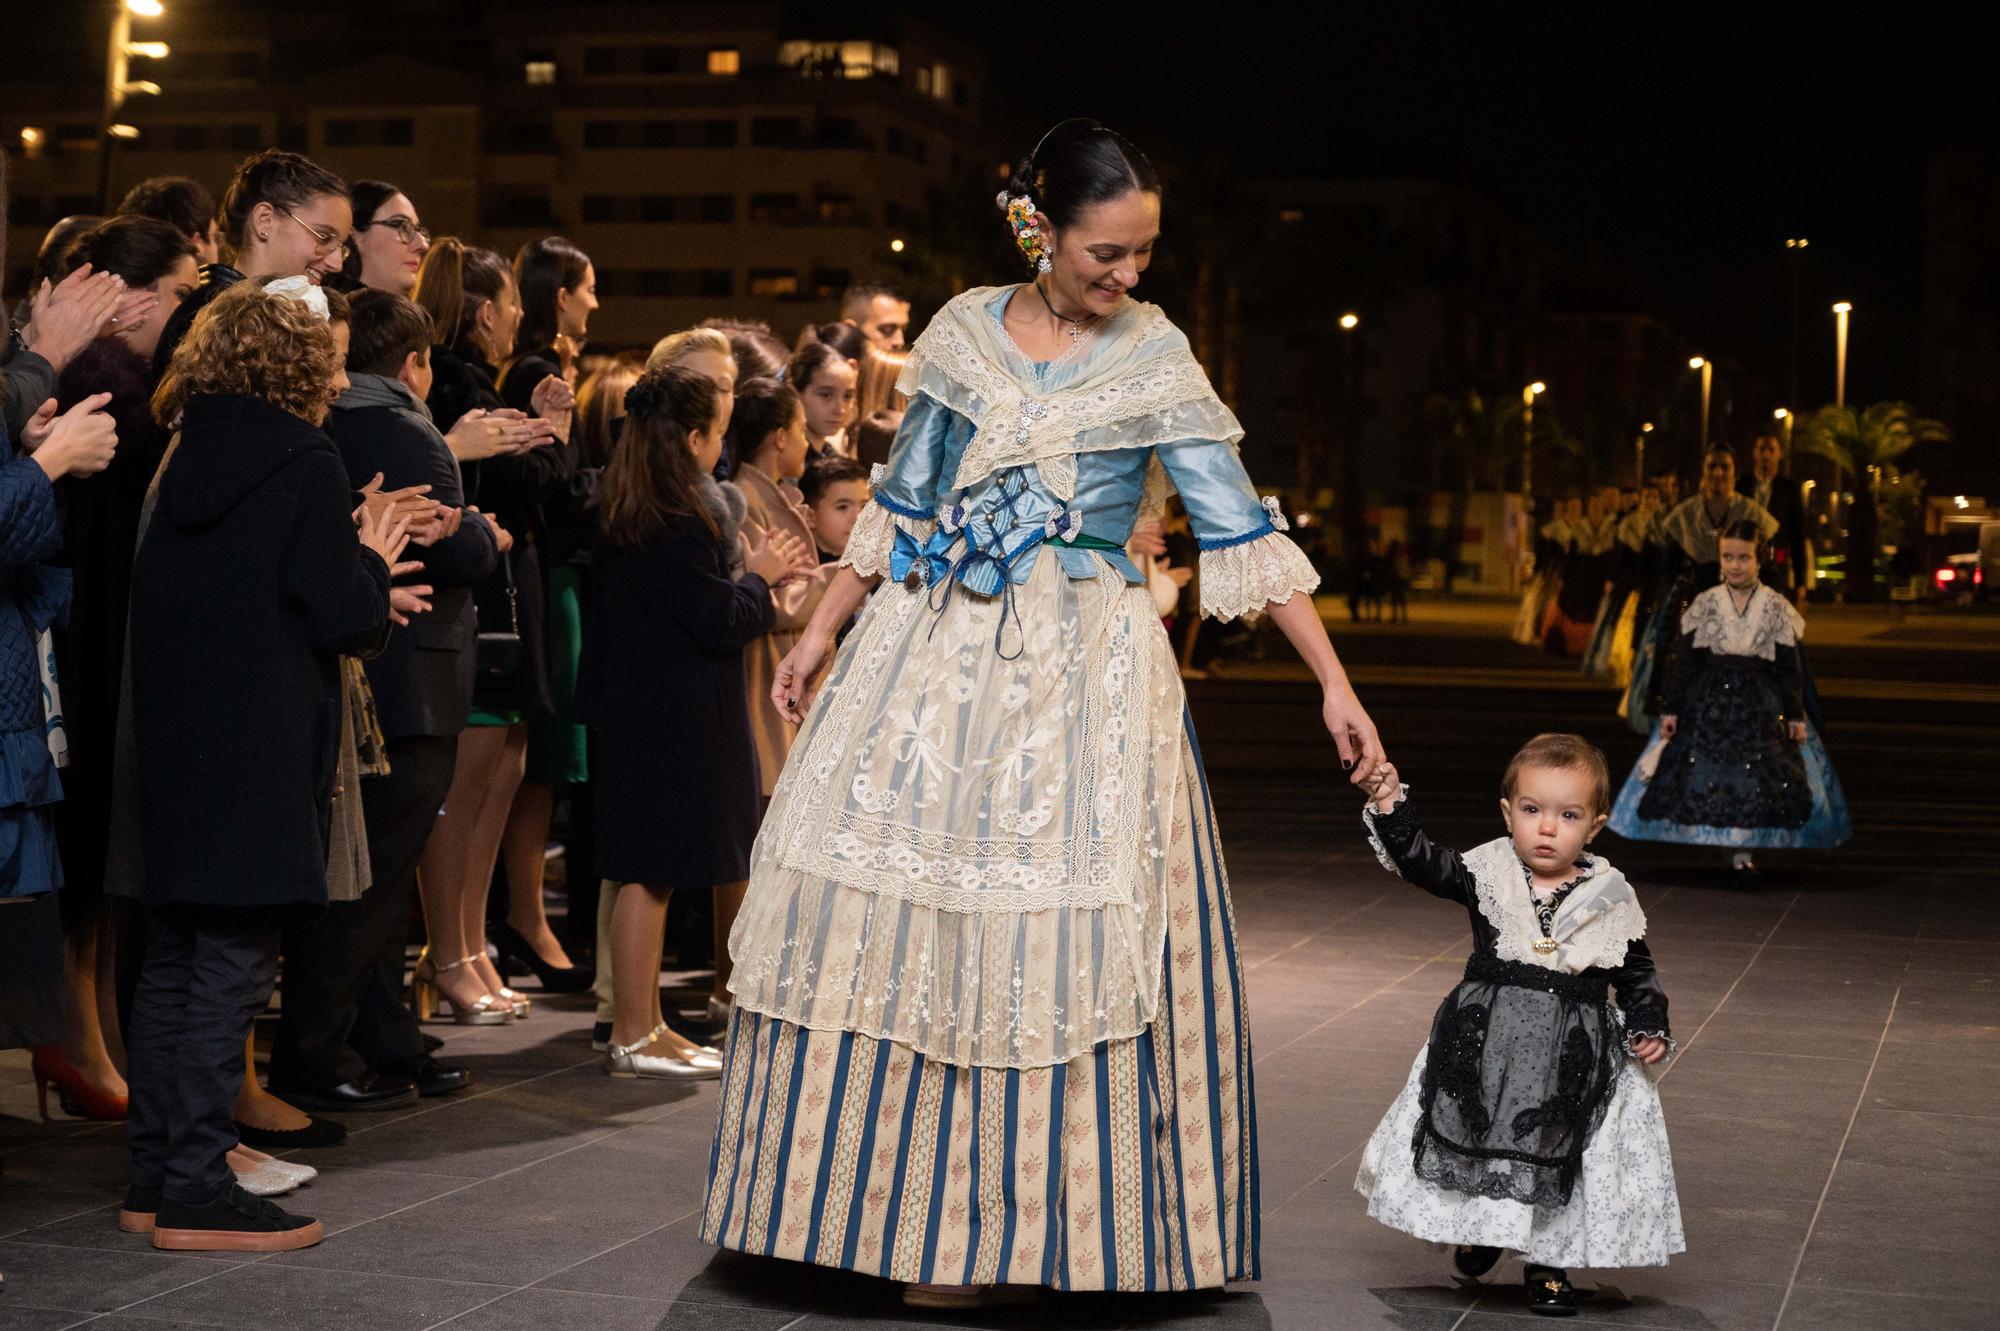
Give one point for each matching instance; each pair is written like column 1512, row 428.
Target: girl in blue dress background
column 1736, row 759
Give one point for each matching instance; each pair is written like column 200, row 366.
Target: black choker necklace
column 1075, row 325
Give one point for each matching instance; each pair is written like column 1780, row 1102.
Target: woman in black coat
column 100, row 532
column 248, row 586
column 662, row 685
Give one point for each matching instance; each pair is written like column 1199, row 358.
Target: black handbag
column 499, row 656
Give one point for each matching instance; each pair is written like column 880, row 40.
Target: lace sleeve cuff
column 1649, row 1023
column 873, row 539
column 1242, row 578
column 1399, row 819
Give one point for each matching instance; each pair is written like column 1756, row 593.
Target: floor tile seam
column 1303, row 939
column 1316, row 1179
column 582, row 1261
column 14, row 1235
column 1860, row 1099
column 1356, row 1006
column 1898, row 1294
column 1723, row 1001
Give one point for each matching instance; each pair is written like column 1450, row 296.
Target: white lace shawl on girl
column 1767, row 623
column 1592, row 926
column 1140, row 386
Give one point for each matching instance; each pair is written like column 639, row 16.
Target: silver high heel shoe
column 625, row 1061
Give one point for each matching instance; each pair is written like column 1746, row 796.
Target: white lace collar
column 1767, row 622
column 1138, row 385
column 1592, row 926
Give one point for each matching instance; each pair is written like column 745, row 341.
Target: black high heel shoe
column 517, row 958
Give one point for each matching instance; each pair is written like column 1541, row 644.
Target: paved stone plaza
column 1834, row 1110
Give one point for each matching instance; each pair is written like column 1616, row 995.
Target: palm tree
column 1861, row 443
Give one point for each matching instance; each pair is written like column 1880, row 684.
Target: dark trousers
column 344, row 1011
column 207, row 975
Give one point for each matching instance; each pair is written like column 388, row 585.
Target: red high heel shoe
column 77, row 1096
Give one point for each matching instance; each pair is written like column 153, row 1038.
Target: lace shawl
column 1689, row 528
column 1592, row 926
column 1767, row 623
column 1140, row 386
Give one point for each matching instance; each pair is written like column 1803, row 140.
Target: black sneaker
column 234, row 1222
column 141, row 1205
column 600, row 1036
column 1474, row 1260
column 1549, row 1292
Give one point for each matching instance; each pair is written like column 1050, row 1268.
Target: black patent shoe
column 1474, row 1260
column 1549, row 1292
column 432, row 1077
column 369, row 1092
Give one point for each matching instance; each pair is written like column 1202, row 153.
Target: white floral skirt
column 967, row 851
column 1623, row 1212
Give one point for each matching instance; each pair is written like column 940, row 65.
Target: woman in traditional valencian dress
column 1691, row 531
column 989, row 1018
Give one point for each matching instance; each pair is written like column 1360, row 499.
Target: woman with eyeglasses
column 390, row 240
column 284, row 216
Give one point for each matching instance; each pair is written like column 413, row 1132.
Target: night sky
column 1665, row 160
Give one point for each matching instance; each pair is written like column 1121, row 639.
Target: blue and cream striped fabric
column 1133, row 1167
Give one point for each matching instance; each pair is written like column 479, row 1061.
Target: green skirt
column 557, row 753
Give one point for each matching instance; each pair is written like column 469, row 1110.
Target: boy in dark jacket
column 346, row 1040
column 247, row 588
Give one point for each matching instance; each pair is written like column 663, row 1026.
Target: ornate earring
column 1027, row 232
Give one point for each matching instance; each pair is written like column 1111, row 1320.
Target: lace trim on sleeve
column 1371, row 817
column 1242, row 579
column 874, row 537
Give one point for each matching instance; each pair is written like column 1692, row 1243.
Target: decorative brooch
column 1021, row 216
column 1277, row 513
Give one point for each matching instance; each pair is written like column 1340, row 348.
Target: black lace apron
column 1519, row 1074
column 1730, row 762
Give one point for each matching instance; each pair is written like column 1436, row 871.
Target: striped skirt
column 1133, row 1167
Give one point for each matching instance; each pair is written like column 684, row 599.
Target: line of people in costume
column 1694, row 615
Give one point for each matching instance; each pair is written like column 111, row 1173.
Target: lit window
column 940, row 82
column 540, row 72
column 857, row 59
column 1291, row 214
column 725, row 60
column 773, row 282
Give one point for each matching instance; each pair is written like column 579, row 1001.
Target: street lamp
column 1797, row 246
column 1350, row 321
column 1707, row 369
column 1528, row 396
column 117, row 87
column 1639, row 454
column 896, row 246
column 1840, row 312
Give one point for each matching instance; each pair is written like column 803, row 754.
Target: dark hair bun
column 1076, row 166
